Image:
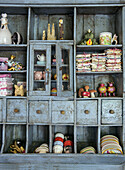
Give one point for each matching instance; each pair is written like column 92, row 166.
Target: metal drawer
column 62, row 112
column 111, row 111
column 87, row 112
column 16, row 110
column 38, row 112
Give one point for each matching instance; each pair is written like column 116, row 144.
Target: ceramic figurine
column 5, row 34
column 44, row 35
column 37, row 75
column 55, row 76
column 14, row 66
column 102, row 90
column 111, row 89
column 51, row 36
column 17, row 147
column 114, row 40
column 80, row 92
column 61, row 31
column 54, row 92
column 65, row 77
column 42, row 148
column 17, row 38
column 19, row 90
column 89, row 39
column 92, row 93
column 86, row 93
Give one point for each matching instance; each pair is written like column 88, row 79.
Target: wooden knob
column 16, row 110
column 86, row 111
column 38, row 111
column 62, row 112
column 111, row 111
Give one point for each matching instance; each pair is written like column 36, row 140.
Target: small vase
column 5, row 35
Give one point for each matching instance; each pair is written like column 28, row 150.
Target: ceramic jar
column 5, row 35
column 105, row 38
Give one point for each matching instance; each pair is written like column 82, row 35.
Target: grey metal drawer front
column 62, row 112
column 16, row 110
column 38, row 112
column 111, row 111
column 87, row 112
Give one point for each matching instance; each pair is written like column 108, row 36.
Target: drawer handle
column 111, row 111
column 38, row 111
column 62, row 112
column 86, row 111
column 16, row 110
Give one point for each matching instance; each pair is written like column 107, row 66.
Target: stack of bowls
column 68, row 145
column 110, row 144
column 88, row 150
column 42, row 148
column 58, row 143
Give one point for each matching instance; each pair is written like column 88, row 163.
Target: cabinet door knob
column 111, row 111
column 60, row 68
column 16, row 110
column 62, row 112
column 86, row 111
column 38, row 111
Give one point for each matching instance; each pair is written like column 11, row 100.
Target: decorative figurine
column 19, row 90
column 44, row 35
column 17, row 147
column 54, row 92
column 55, row 76
column 102, row 89
column 5, row 35
column 111, row 89
column 17, row 38
column 114, row 40
column 61, row 31
column 86, row 93
column 37, row 75
column 42, row 148
column 49, row 35
column 65, row 77
column 80, row 92
column 14, row 66
column 92, row 93
column 89, row 39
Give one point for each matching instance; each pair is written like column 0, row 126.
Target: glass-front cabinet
column 51, row 69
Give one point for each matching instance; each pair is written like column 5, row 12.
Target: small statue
column 19, row 90
column 5, row 34
column 102, row 89
column 61, row 31
column 38, row 75
column 86, row 93
column 65, row 77
column 81, row 90
column 114, row 40
column 17, row 147
column 51, row 36
column 44, row 35
column 92, row 93
column 17, row 38
column 89, row 39
column 111, row 89
column 14, row 66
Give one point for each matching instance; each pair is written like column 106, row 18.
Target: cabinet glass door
column 65, row 72
column 40, row 69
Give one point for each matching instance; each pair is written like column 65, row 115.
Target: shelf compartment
column 14, row 132
column 37, row 135
column 87, row 136
column 66, row 130
column 106, row 72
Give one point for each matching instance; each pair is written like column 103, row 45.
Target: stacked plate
column 58, row 143
column 110, row 144
column 83, row 62
column 113, row 62
column 68, row 145
column 88, row 150
column 42, row 148
column 98, row 62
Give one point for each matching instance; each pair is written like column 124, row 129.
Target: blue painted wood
column 16, row 110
